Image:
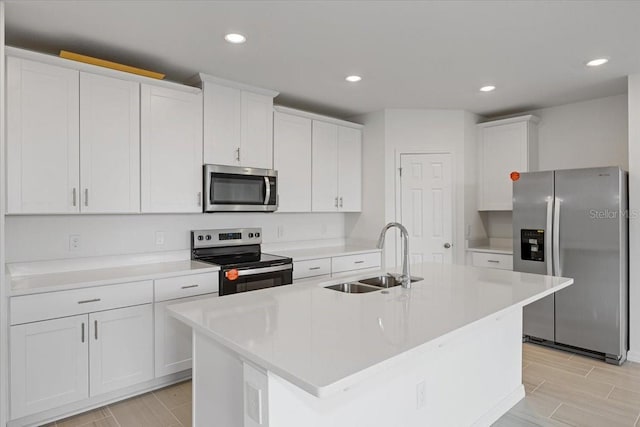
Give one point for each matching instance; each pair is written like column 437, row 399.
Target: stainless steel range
column 243, row 265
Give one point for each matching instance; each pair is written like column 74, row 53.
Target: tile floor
column 562, row 390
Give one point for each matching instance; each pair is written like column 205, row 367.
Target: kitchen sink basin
column 386, row 281
column 353, row 288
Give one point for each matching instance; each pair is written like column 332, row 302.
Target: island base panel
column 469, row 377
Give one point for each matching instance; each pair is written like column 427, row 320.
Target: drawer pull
column 359, row 262
column 95, row 328
column 314, row 268
column 494, row 261
column 189, row 286
column 82, row 331
column 89, row 300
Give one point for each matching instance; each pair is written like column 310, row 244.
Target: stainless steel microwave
column 239, row 189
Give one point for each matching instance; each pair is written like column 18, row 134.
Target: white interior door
column 426, row 206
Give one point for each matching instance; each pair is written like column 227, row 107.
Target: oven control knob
column 250, row 235
column 257, row 234
column 208, row 236
column 200, row 237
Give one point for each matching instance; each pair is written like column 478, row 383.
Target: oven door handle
column 252, row 271
column 267, row 190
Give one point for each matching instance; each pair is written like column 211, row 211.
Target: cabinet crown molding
column 528, row 118
column 314, row 116
column 201, row 78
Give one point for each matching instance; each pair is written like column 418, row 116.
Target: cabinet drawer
column 51, row 305
column 311, row 268
column 500, row 261
column 185, row 286
column 355, row 262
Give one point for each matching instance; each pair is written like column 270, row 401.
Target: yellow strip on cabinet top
column 108, row 64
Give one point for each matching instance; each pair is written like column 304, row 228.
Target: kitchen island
column 446, row 352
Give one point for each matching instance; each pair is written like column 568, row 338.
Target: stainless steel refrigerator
column 574, row 223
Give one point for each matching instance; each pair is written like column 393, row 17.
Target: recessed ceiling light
column 353, row 79
column 235, row 38
column 597, row 62
column 487, row 88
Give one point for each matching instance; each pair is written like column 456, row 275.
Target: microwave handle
column 267, row 190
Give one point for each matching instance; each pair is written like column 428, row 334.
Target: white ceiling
column 410, row 54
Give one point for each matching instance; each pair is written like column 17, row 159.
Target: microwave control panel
column 532, row 245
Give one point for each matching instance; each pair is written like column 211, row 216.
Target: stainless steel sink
column 353, row 288
column 386, row 281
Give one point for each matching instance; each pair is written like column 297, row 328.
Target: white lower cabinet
column 492, row 260
column 49, row 364
column 336, row 266
column 61, row 361
column 172, row 340
column 121, row 348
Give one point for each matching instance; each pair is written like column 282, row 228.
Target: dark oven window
column 237, row 189
column 255, row 282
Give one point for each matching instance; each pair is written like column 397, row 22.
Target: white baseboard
column 633, row 356
column 501, row 408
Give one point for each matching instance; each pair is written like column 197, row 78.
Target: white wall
column 34, row 238
column 634, row 224
column 579, row 135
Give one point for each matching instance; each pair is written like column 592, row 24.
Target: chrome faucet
column 406, row 276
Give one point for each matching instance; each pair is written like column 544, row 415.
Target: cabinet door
column 42, row 138
column 121, row 348
column 49, row 364
column 292, row 160
column 221, row 124
column 349, row 169
column 172, row 339
column 324, row 167
column 504, row 150
column 109, row 145
column 171, row 146
column 256, row 148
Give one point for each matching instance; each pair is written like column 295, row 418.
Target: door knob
column 447, row 245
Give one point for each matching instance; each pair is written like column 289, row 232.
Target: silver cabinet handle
column 74, row 196
column 314, row 268
column 199, row 198
column 340, row 201
column 82, row 331
column 86, row 197
column 494, row 261
column 189, row 286
column 359, row 262
column 238, row 154
column 336, row 202
column 95, row 328
column 89, row 300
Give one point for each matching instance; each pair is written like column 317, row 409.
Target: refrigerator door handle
column 556, row 238
column 548, row 234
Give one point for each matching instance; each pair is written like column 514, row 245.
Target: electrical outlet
column 74, row 242
column 421, row 394
column 159, row 237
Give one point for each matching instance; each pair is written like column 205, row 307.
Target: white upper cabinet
column 42, row 138
column 349, row 169
column 109, row 144
column 171, row 150
column 325, row 167
column 504, row 146
column 292, row 160
column 238, row 123
column 336, row 168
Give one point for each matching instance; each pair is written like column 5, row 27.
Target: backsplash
column 37, row 238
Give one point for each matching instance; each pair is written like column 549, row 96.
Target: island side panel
column 469, row 379
column 218, row 380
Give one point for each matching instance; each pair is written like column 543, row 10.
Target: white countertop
column 491, row 249
column 325, row 341
column 58, row 281
column 491, row 245
column 325, row 252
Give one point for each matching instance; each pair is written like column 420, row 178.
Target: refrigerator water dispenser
column 532, row 245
